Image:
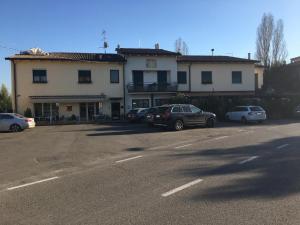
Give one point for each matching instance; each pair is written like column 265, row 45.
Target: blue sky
column 228, row 26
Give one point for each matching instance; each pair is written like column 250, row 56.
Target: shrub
column 28, row 113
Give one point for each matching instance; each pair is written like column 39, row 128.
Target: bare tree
column 264, row 39
column 181, row 47
column 279, row 52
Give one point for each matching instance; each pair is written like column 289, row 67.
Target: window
column 140, row 103
column 206, row 77
column 84, row 77
column 38, row 109
column 181, row 77
column 256, row 109
column 69, row 108
column 39, row 76
column 236, row 77
column 6, row 117
column 114, row 76
column 151, row 63
column 186, row 109
column 176, row 109
column 195, row 109
column 161, row 101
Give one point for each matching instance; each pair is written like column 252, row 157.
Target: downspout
column 15, row 86
column 190, row 82
column 124, row 91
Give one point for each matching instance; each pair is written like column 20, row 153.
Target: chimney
column 156, row 46
column 249, row 55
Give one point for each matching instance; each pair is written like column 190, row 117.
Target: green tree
column 5, row 100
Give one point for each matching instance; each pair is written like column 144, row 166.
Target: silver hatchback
column 12, row 122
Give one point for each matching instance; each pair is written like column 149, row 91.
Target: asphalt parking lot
column 131, row 174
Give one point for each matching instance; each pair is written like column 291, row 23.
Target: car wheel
column 244, row 120
column 210, row 122
column 15, row 128
column 178, row 125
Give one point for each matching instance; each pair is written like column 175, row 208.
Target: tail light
column 28, row 120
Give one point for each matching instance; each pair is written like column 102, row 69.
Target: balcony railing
column 152, row 87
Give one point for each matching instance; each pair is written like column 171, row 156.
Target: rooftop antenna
column 212, row 51
column 104, row 39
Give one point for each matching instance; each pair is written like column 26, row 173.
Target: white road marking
column 173, row 191
column 249, row 159
column 124, row 160
column 282, row 146
column 32, row 183
column 171, row 145
column 222, row 137
column 183, row 146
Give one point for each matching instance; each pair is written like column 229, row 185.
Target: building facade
column 82, row 86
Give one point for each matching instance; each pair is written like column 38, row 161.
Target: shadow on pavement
column 274, row 174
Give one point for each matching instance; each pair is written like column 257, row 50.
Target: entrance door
column 115, row 110
column 91, row 110
column 82, row 111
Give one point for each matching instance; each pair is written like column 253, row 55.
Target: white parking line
column 124, row 160
column 249, row 159
column 183, row 146
column 32, row 183
column 282, row 146
column 222, row 137
column 173, row 191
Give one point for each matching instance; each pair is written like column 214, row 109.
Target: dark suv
column 178, row 116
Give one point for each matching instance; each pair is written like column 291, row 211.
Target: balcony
column 152, row 87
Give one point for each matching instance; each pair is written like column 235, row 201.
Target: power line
column 10, row 48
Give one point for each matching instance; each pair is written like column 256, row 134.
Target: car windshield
column 163, row 109
column 133, row 111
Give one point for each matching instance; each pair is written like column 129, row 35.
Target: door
column 82, row 111
column 189, row 117
column 198, row 118
column 138, row 79
column 256, row 81
column 91, row 111
column 5, row 122
column 115, row 110
column 2, row 128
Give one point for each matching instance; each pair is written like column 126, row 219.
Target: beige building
column 64, row 85
column 82, row 86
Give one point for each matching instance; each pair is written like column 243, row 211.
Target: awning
column 67, row 98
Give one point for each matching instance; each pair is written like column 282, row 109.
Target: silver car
column 247, row 114
column 14, row 122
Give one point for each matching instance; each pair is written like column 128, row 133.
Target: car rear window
column 18, row 115
column 256, row 109
column 133, row 111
